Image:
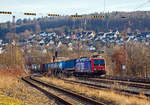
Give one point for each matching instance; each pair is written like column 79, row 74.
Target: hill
column 134, row 21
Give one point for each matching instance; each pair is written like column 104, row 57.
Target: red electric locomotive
column 98, row 66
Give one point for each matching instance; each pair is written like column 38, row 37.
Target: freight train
column 77, row 67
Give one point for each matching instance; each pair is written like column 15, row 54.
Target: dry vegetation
column 136, row 57
column 12, row 57
column 14, row 92
column 111, row 95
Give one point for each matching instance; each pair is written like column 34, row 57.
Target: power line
column 104, row 5
column 140, row 6
column 48, row 14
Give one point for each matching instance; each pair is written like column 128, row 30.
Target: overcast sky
column 64, row 7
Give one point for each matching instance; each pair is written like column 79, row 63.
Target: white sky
column 67, row 7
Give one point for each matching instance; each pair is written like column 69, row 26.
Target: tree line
column 134, row 21
column 135, row 56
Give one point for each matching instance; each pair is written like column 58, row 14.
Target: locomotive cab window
column 99, row 62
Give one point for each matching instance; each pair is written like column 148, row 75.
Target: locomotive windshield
column 99, row 62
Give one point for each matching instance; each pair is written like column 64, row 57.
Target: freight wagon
column 77, row 67
column 36, row 68
column 69, row 67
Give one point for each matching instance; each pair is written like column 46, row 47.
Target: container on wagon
column 70, row 64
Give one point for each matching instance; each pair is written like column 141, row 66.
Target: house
column 41, row 42
column 91, row 48
column 59, row 44
column 91, row 33
column 70, row 44
column 148, row 36
column 147, row 43
column 1, row 42
column 22, row 42
column 43, row 34
column 70, row 48
column 68, row 37
column 1, row 50
column 116, row 34
column 130, row 35
column 51, row 42
column 44, row 51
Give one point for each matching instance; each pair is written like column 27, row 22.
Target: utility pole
column 124, row 67
column 147, row 65
column 14, row 38
column 104, row 5
column 78, row 49
column 85, row 22
column 14, row 25
column 125, row 31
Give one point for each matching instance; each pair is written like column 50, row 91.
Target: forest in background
column 136, row 54
column 138, row 21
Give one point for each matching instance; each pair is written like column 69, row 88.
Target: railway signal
column 54, row 58
column 56, row 54
column 124, row 67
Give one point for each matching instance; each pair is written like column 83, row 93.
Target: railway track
column 62, row 96
column 126, row 83
column 129, row 79
column 99, row 84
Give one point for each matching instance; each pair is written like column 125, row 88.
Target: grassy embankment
column 110, row 96
column 8, row 80
column 15, row 92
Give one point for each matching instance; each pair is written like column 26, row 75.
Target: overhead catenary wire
column 47, row 14
column 142, row 5
column 104, row 5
